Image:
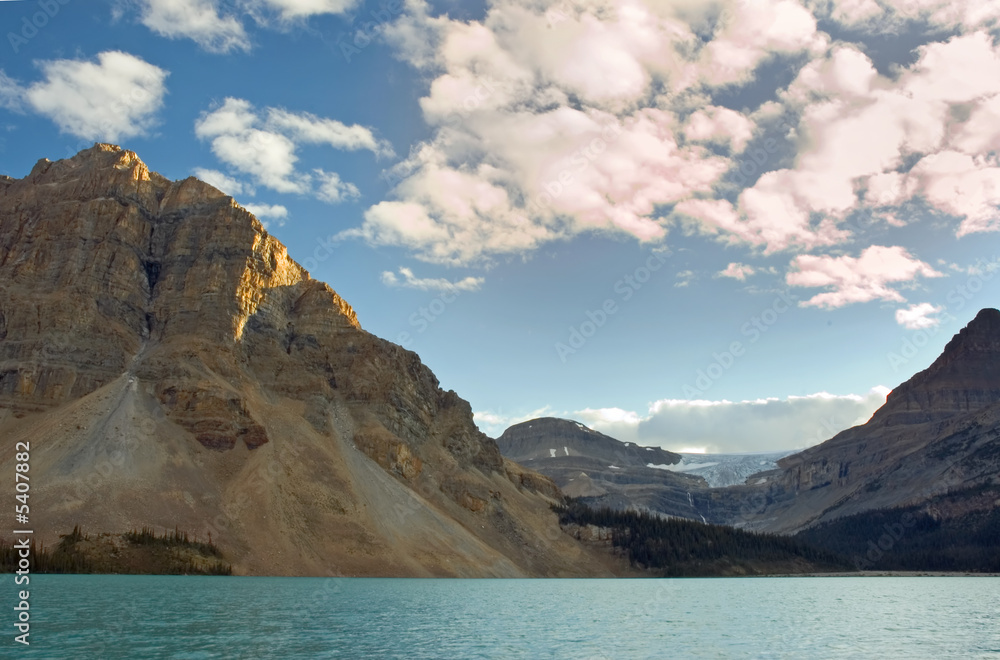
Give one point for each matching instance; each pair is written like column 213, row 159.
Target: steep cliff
column 172, row 366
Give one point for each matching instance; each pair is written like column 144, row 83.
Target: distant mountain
column 938, row 433
column 603, row 471
column 169, row 365
column 548, row 438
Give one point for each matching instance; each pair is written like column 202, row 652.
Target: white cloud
column 981, row 133
column 216, row 31
column 298, row 9
column 263, row 212
column 263, row 145
column 494, row 424
column 198, row 20
column 960, row 185
column 222, row 182
column 720, row 125
column 332, row 190
column 411, row 281
column 684, row 278
column 545, row 128
column 888, row 15
column 918, row 316
column 769, row 424
column 111, row 99
column 11, row 93
column 856, row 131
column 860, row 279
column 310, row 129
column 552, row 122
column 737, row 271
column 752, row 30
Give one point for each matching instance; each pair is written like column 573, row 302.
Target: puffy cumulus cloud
column 737, row 271
column 981, row 133
column 888, row 15
column 266, row 155
column 198, row 20
column 548, row 122
column 771, row 424
column 960, row 185
column 750, row 31
column 265, row 212
column 916, row 317
column 719, row 125
column 222, row 181
column 332, row 190
column 114, row 98
column 411, row 281
column 857, row 279
column 857, row 130
column 262, row 144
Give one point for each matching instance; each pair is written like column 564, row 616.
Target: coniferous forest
column 915, row 538
column 137, row 552
column 675, row 547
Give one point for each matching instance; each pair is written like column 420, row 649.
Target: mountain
column 548, row 438
column 605, row 472
column 937, row 434
column 165, row 364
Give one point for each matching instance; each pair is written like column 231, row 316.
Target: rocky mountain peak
column 172, row 365
column 980, row 339
column 965, row 377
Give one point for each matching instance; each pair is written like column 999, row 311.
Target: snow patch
column 566, row 449
column 683, row 466
column 614, row 467
column 552, row 453
column 628, row 444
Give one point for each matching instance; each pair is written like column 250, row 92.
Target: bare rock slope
column 937, row 432
column 170, row 365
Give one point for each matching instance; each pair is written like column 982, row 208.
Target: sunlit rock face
column 173, row 366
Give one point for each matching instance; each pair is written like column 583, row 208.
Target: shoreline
column 883, row 574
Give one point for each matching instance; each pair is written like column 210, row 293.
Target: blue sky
column 727, row 225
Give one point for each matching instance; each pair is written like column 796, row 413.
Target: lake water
column 96, row 616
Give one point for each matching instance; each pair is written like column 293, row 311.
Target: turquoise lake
column 98, row 616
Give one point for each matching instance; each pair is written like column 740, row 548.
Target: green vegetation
column 177, row 538
column 46, row 561
column 135, row 552
column 676, row 547
column 915, row 538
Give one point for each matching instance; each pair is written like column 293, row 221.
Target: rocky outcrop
column 173, row 366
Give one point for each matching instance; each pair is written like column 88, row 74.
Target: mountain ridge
column 938, row 431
